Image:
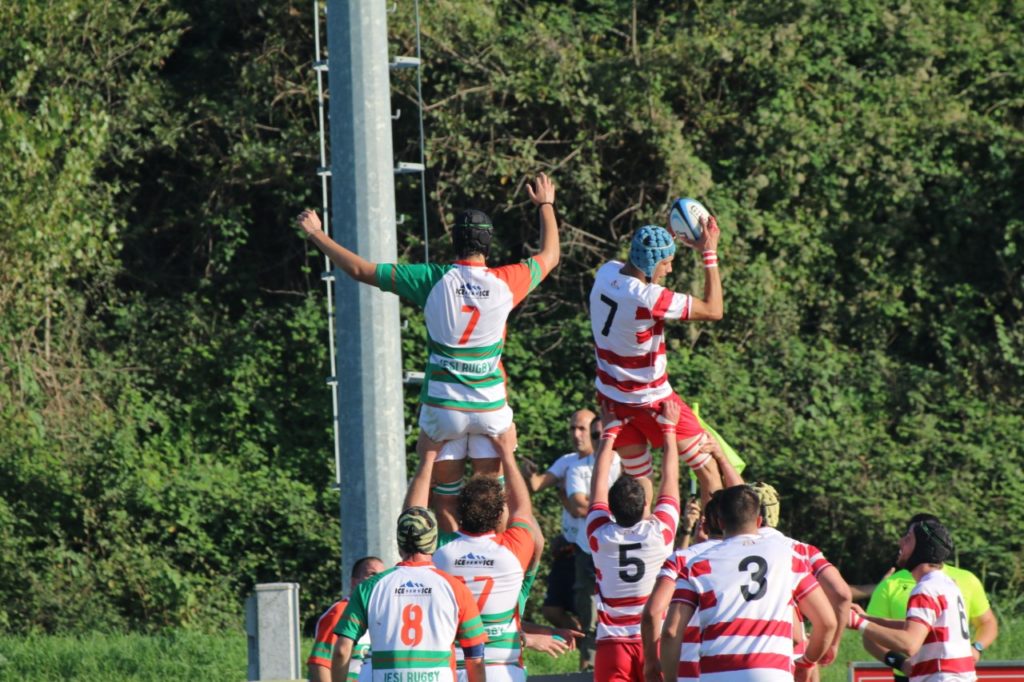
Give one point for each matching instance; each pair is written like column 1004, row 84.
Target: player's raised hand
column 542, row 191
column 507, row 442
column 309, row 222
column 709, row 235
column 669, row 416
column 857, row 620
column 610, row 423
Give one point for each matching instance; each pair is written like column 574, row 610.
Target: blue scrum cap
column 651, row 244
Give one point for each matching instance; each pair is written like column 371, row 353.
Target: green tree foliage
column 164, row 436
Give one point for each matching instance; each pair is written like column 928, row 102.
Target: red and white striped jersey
column 815, row 558
column 627, row 319
column 689, row 651
column 626, row 562
column 744, row 589
column 937, row 602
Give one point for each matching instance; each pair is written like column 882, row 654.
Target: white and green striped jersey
column 465, row 306
column 493, row 566
column 415, row 614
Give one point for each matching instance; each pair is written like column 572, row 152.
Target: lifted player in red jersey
column 628, row 310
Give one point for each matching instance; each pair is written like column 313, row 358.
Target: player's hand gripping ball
column 685, row 216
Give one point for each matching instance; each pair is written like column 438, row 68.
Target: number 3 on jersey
column 412, row 625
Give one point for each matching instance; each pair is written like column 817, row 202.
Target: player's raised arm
column 542, row 194
column 667, row 420
column 710, row 307
column 518, row 494
column 605, row 457
column 354, row 265
column 418, row 494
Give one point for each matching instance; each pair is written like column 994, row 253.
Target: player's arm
column 650, row 625
column 816, row 607
column 319, row 673
column 353, row 265
column 667, row 420
column 986, row 629
column 542, row 194
column 518, row 494
column 730, row 476
column 679, row 615
column 578, row 503
column 418, row 494
column 839, row 596
column 710, row 307
column 605, row 457
column 340, row 659
column 538, row 482
column 905, row 637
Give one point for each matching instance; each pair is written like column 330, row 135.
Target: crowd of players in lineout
column 729, row 605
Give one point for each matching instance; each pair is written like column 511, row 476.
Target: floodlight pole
column 369, row 355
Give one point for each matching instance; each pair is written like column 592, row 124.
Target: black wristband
column 894, row 660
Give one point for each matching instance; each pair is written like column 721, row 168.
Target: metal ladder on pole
column 324, row 173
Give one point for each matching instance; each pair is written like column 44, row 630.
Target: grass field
column 195, row 657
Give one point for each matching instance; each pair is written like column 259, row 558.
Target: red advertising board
column 990, row 671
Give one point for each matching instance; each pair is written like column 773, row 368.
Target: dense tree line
column 164, row 436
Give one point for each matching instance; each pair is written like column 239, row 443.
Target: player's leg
column 444, row 430
column 483, row 426
column 558, row 606
column 614, row 662
column 446, row 483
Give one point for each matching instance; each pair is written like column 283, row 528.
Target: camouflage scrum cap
column 417, row 531
column 769, row 497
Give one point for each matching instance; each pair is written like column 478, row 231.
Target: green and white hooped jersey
column 465, row 306
column 493, row 566
column 414, row 613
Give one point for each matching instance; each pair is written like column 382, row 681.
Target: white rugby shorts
column 465, row 433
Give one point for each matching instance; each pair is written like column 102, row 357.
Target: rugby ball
column 684, row 218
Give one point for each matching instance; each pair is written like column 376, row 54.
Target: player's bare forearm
column 542, row 194
column 672, row 636
column 518, row 494
column 710, row 307
column 839, row 596
column 319, row 673
column 730, row 476
column 906, row 640
column 670, row 460
column 475, row 670
column 986, row 628
column 650, row 619
column 602, row 467
column 340, row 659
column 352, row 264
column 818, row 609
column 418, row 494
